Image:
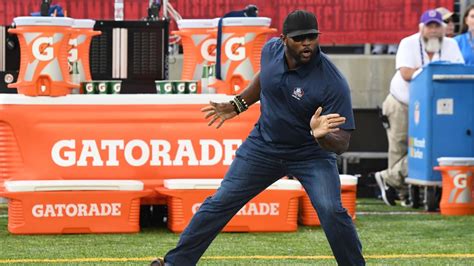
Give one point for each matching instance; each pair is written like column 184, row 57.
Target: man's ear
column 283, row 38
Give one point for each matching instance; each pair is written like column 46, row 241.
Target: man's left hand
column 321, row 125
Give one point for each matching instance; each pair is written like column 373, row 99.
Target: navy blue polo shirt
column 288, row 100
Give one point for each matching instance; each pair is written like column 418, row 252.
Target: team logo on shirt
column 297, row 93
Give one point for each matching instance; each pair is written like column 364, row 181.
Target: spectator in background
column 384, row 48
column 414, row 52
column 448, row 20
column 466, row 39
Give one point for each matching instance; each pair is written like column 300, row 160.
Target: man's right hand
column 222, row 111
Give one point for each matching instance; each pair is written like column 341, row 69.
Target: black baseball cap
column 300, row 22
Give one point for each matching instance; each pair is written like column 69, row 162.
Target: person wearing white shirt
column 414, row 52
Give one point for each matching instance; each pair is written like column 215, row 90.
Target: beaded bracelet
column 242, row 101
column 240, row 105
column 236, row 108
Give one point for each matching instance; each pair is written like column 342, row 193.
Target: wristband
column 242, row 101
column 240, row 104
column 236, row 108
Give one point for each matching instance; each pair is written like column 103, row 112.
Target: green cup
column 212, row 74
column 179, row 86
column 191, row 86
column 205, row 72
column 101, row 86
column 115, row 86
column 211, row 70
column 164, row 86
column 88, row 87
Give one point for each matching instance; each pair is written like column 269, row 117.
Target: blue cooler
column 441, row 122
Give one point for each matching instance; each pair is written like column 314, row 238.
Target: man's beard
column 433, row 44
column 296, row 56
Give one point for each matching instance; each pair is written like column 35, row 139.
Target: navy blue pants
column 249, row 174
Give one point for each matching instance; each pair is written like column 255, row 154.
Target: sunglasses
column 448, row 20
column 310, row 36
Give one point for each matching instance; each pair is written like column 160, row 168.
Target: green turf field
column 408, row 237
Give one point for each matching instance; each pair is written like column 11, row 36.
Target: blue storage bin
column 441, row 119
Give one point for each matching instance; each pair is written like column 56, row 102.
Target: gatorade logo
column 252, row 209
column 181, row 88
column 206, row 50
column 42, row 49
column 461, row 193
column 460, row 181
column 76, row 210
column 116, row 87
column 73, row 54
column 168, row 88
column 102, row 87
column 234, row 49
column 137, row 152
column 89, row 87
column 192, row 87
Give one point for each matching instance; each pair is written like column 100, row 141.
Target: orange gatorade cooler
column 199, row 45
column 44, row 69
column 79, row 45
column 242, row 42
column 73, row 206
column 273, row 210
column 308, row 215
column 80, row 136
column 458, row 186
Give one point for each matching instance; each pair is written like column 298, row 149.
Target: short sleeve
column 267, row 50
column 406, row 54
column 338, row 100
column 458, row 39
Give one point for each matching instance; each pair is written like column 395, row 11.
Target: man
column 414, row 52
column 306, row 118
column 448, row 19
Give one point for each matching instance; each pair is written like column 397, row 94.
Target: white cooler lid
column 196, row 23
column 348, row 180
column 60, row 185
column 456, row 161
column 43, row 21
column 245, row 21
column 83, row 23
column 232, row 21
column 282, row 184
column 114, row 99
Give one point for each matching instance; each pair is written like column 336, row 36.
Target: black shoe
column 157, row 262
column 406, row 203
column 388, row 193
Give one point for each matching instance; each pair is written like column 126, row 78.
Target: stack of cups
column 176, row 86
column 208, row 79
column 101, row 87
